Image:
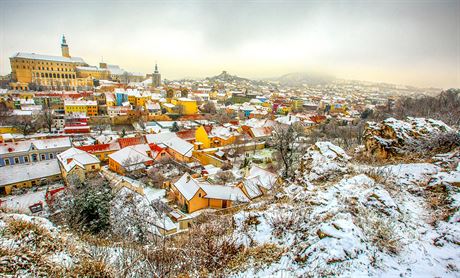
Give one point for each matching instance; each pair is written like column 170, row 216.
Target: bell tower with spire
column 156, row 77
column 65, row 48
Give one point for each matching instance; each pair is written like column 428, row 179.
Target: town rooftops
column 132, row 155
column 180, row 145
column 43, row 144
column 130, row 141
column 75, row 157
column 52, row 58
column 100, row 147
column 29, row 171
column 223, row 192
column 187, row 186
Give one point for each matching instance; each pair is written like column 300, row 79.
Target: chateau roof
column 34, row 56
column 91, row 68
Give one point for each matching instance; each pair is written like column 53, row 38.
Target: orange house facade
column 192, row 195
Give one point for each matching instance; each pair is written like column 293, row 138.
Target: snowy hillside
column 394, row 220
column 338, row 217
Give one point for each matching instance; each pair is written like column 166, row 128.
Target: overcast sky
column 404, row 42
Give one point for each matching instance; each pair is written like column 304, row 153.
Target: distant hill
column 299, row 78
column 225, row 76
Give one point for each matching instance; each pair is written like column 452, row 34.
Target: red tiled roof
column 318, row 118
column 99, row 147
column 186, row 134
column 156, row 148
column 130, row 141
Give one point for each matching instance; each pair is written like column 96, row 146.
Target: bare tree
column 46, row 118
column 225, row 176
column 132, row 167
column 209, row 107
column 26, row 124
column 289, row 143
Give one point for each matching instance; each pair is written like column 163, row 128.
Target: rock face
column 322, row 161
column 386, row 139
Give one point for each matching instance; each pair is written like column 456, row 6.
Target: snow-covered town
column 137, row 169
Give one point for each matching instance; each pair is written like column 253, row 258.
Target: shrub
column 433, row 144
column 86, row 207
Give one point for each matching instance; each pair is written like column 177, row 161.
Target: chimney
column 69, row 160
column 188, row 178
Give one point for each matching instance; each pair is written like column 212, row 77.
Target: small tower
column 156, row 77
column 64, row 48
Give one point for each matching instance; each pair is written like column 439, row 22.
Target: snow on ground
column 324, row 160
column 154, row 193
column 21, row 203
column 357, row 226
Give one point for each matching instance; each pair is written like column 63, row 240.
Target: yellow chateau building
column 37, row 71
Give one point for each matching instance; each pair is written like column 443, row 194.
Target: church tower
column 156, row 77
column 64, row 48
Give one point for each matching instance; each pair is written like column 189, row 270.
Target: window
column 93, row 167
column 26, row 159
column 199, row 194
column 42, row 156
column 7, row 161
column 51, row 156
column 16, row 160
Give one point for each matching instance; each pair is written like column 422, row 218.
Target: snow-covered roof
column 180, row 145
column 30, row 171
column 221, row 132
column 259, row 132
column 287, row 120
column 135, row 154
column 43, row 144
column 223, row 192
column 252, row 187
column 34, row 56
column 261, row 177
column 75, row 157
column 187, row 186
column 171, row 140
column 90, row 68
column 160, row 137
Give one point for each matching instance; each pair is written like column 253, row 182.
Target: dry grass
column 394, row 159
column 91, row 268
column 282, row 223
column 439, row 203
column 257, row 257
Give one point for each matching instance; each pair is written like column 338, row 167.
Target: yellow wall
column 97, row 74
column 8, row 129
column 29, row 183
column 197, row 202
column 177, row 156
column 47, row 73
column 115, row 166
column 89, row 110
column 202, row 136
column 188, row 107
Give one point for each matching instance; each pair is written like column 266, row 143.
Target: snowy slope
column 375, row 221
